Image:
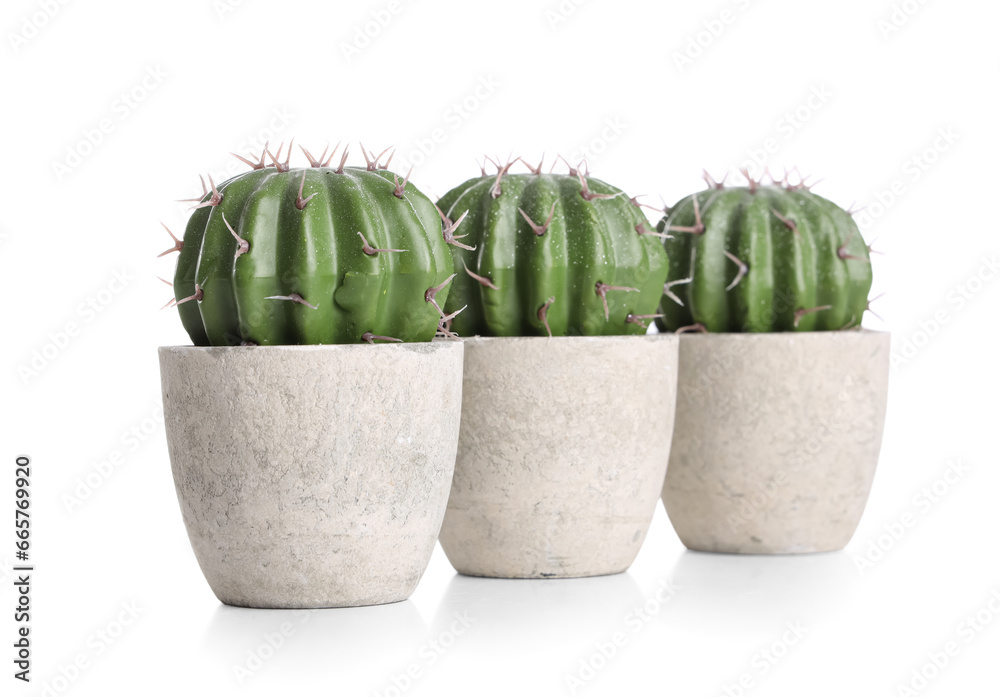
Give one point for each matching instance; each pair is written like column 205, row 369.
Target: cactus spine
column 550, row 254
column 763, row 259
column 314, row 255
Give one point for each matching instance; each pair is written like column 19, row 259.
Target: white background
column 602, row 77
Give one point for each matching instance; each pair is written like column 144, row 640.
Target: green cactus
column 550, row 254
column 311, row 256
column 763, row 259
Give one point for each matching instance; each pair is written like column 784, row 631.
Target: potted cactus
column 781, row 394
column 312, row 427
column 567, row 406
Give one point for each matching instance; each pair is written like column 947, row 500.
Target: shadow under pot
column 562, row 452
column 312, row 476
column 777, row 439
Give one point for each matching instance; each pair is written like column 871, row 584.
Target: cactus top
column 763, row 259
column 551, row 254
column 312, row 256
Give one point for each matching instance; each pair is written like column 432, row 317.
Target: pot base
column 354, row 573
column 532, row 545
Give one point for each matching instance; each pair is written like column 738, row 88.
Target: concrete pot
column 312, row 476
column 562, row 453
column 776, row 440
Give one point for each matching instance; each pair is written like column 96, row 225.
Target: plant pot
column 562, row 453
column 312, row 476
column 776, row 440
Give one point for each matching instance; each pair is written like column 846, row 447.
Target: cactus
column 316, row 255
column 550, row 254
column 763, row 259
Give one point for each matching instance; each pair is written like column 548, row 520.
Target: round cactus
column 550, row 254
column 312, row 256
column 763, row 259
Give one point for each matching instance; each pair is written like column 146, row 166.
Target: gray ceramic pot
column 312, row 476
column 562, row 454
column 776, row 440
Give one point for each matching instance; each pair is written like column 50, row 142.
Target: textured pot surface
column 776, row 440
column 312, row 476
column 562, row 453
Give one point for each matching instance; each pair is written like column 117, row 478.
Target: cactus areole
column 316, row 255
column 763, row 259
column 550, row 254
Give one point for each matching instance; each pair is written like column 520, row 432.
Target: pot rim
column 417, row 346
column 608, row 338
column 774, row 336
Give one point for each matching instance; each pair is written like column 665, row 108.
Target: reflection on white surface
column 751, row 592
column 317, row 645
column 537, row 628
column 560, row 606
